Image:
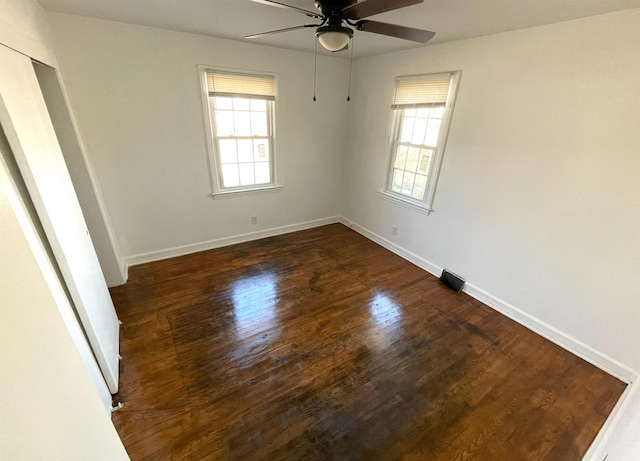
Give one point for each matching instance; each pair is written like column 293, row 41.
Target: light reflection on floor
column 254, row 304
column 386, row 320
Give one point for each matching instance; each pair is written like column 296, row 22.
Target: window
column 241, row 116
column 421, row 115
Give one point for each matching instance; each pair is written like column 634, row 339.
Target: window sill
column 414, row 205
column 241, row 192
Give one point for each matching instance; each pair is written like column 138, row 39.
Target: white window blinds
column 239, row 85
column 422, row 91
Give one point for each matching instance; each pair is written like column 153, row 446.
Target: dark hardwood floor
column 321, row 345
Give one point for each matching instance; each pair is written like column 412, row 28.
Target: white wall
column 538, row 201
column 136, row 94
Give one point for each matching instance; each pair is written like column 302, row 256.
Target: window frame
column 425, row 204
column 218, row 191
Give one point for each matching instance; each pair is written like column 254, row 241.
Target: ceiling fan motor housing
column 331, row 8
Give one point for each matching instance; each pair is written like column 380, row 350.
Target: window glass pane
column 245, row 150
column 261, row 150
column 223, row 103
column 419, row 130
column 246, row 174
column 230, row 176
column 228, row 151
column 241, row 103
column 423, row 112
column 259, row 124
column 396, row 184
column 224, row 123
column 242, row 122
column 258, row 105
column 410, row 112
column 432, row 132
column 407, row 183
column 401, row 157
column 263, row 173
column 437, row 112
column 407, row 129
column 420, row 187
column 425, row 160
column 412, row 159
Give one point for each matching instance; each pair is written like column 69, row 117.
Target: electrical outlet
column 394, row 230
column 254, row 220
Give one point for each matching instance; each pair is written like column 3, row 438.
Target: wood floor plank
column 321, row 345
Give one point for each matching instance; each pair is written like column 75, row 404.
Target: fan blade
column 311, row 14
column 370, row 7
column 281, row 30
column 393, row 30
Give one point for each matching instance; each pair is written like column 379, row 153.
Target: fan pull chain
column 315, row 69
column 353, row 40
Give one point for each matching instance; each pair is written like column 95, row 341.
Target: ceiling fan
column 332, row 32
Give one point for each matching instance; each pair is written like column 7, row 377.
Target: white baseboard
column 573, row 345
column 125, row 270
column 225, row 241
column 601, row 444
column 406, row 254
column 598, row 449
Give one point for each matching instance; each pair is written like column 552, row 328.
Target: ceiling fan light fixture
column 334, row 38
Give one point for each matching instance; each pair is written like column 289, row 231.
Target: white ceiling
column 233, row 19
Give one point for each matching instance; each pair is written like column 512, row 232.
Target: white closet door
column 26, row 122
